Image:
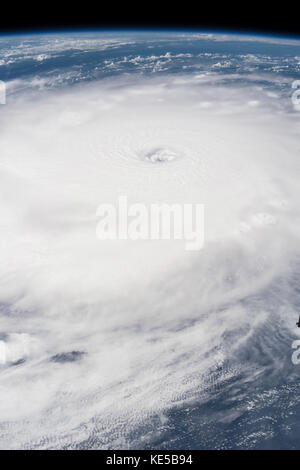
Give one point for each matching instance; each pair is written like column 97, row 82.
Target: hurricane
column 141, row 344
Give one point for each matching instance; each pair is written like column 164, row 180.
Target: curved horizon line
column 150, row 29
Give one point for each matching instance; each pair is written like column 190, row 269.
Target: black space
column 252, row 16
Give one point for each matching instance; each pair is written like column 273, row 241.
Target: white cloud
column 152, row 319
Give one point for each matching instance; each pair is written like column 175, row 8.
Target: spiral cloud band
column 105, row 342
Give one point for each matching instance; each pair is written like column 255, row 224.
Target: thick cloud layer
column 103, row 336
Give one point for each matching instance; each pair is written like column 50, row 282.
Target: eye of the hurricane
column 160, row 155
